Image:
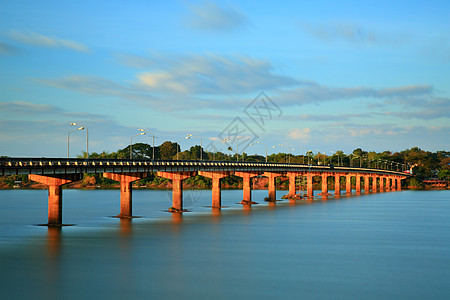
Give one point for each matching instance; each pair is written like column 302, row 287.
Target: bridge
column 55, row 172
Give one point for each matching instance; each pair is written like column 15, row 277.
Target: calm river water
column 393, row 245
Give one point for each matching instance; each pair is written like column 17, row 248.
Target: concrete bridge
column 55, row 172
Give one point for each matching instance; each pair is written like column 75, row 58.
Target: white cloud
column 40, row 40
column 210, row 17
column 210, row 75
column 352, row 33
column 299, row 134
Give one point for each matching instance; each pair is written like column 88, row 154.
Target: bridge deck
column 49, row 166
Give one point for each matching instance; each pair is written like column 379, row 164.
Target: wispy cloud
column 40, row 40
column 8, row 49
column 212, row 75
column 208, row 16
column 316, row 93
column 351, row 33
column 300, row 134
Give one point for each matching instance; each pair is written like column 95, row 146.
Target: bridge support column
column 358, row 184
column 247, row 185
column 337, row 184
column 309, row 185
column 381, row 184
column 374, row 184
column 388, row 183
column 272, row 184
column 348, row 183
column 399, row 184
column 216, row 190
column 126, row 199
column 292, row 176
column 177, row 187
column 366, row 184
column 324, row 184
column 54, row 183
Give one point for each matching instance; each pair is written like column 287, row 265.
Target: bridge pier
column 366, row 184
column 388, row 183
column 216, row 190
column 247, row 185
column 177, row 187
column 54, row 183
column 126, row 199
column 374, row 184
column 272, row 184
column 348, row 183
column 381, row 184
column 358, row 184
column 337, row 184
column 399, row 184
column 309, row 185
column 292, row 176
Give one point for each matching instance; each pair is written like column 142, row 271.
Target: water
column 393, row 245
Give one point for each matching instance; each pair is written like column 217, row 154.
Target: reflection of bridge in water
column 55, row 172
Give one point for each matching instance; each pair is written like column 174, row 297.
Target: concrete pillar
column 177, row 187
column 216, row 190
column 366, row 184
column 358, row 184
column 292, row 176
column 54, row 183
column 337, row 184
column 381, row 184
column 388, row 183
column 374, row 184
column 126, row 199
column 272, row 184
column 309, row 184
column 348, row 183
column 324, row 183
column 399, row 184
column 247, row 185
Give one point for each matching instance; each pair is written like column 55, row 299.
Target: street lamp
column 303, row 157
column 87, row 137
column 153, row 141
column 79, row 128
column 289, row 151
column 237, row 147
column 185, row 138
column 201, row 145
column 131, row 143
column 258, row 142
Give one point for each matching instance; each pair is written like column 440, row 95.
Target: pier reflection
column 54, row 242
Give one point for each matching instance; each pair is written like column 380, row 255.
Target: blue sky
column 335, row 75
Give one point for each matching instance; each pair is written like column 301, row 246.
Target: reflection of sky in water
column 385, row 245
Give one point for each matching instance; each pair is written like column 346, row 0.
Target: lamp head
column 73, row 124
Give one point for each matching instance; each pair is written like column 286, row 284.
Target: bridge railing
column 11, row 162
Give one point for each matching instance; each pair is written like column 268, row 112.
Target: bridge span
column 55, row 172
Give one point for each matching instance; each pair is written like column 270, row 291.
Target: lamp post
column 303, row 157
column 79, row 128
column 131, row 143
column 258, row 142
column 153, row 141
column 289, row 151
column 214, row 153
column 87, row 137
column 185, row 138
column 331, row 157
column 237, row 148
column 201, row 144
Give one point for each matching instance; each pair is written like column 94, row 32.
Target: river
column 393, row 245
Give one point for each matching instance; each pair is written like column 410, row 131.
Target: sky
column 309, row 75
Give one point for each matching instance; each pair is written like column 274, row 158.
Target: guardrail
column 77, row 165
